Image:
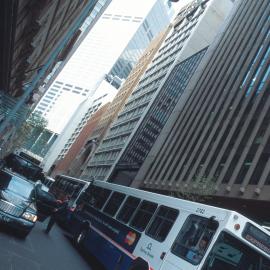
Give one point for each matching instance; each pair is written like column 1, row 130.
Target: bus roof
column 71, row 178
column 219, row 213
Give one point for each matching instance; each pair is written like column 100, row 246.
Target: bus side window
column 100, row 197
column 162, row 223
column 114, row 203
column 143, row 215
column 194, row 238
column 128, row 209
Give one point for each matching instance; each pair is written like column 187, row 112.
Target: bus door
column 191, row 244
column 79, row 193
column 155, row 243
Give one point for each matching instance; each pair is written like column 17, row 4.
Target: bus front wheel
column 81, row 236
column 139, row 264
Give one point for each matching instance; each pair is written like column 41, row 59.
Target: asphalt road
column 40, row 251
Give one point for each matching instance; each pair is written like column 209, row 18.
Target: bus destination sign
column 257, row 237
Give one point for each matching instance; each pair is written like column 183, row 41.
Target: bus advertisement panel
column 115, row 241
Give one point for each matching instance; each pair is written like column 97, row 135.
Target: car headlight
column 29, row 216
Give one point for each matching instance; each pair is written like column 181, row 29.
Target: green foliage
column 37, row 121
column 34, row 124
column 199, row 189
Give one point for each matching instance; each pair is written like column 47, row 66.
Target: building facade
column 125, row 20
column 118, row 30
column 96, row 135
column 88, row 24
column 220, row 132
column 81, row 148
column 34, row 36
column 85, row 110
column 137, row 126
column 59, row 103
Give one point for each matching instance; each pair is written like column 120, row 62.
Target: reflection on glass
column 229, row 253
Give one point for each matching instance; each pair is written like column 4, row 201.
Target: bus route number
column 200, row 210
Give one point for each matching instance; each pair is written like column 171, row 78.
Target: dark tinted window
column 162, row 223
column 128, row 209
column 24, row 167
column 114, row 203
column 143, row 215
column 228, row 253
column 98, row 196
column 194, row 238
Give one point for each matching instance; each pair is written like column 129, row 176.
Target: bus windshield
column 230, row 253
column 64, row 186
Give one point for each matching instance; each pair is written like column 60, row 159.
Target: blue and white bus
column 62, row 186
column 126, row 228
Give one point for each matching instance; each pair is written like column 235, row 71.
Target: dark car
column 24, row 167
column 17, row 203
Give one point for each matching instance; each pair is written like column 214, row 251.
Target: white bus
column 63, row 186
column 126, row 228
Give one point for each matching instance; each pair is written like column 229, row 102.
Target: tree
column 200, row 189
column 34, row 125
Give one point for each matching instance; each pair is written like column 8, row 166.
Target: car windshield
column 16, row 185
column 230, row 253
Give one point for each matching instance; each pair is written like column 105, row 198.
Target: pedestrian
column 63, row 206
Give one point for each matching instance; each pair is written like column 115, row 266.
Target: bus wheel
column 139, row 264
column 81, row 236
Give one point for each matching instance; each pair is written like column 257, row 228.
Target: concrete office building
column 77, row 157
column 81, row 148
column 220, row 131
column 96, row 133
column 122, row 32
column 133, row 133
column 104, row 94
column 59, row 103
column 119, row 33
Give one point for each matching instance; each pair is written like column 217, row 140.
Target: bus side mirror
column 212, row 223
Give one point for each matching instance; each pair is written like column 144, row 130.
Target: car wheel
column 23, row 235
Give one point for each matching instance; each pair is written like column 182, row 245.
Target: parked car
column 24, row 167
column 17, row 202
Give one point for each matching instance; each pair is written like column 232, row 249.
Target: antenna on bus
column 212, row 223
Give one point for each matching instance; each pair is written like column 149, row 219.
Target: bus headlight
column 29, row 216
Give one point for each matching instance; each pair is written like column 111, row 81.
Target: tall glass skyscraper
column 114, row 44
column 151, row 25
